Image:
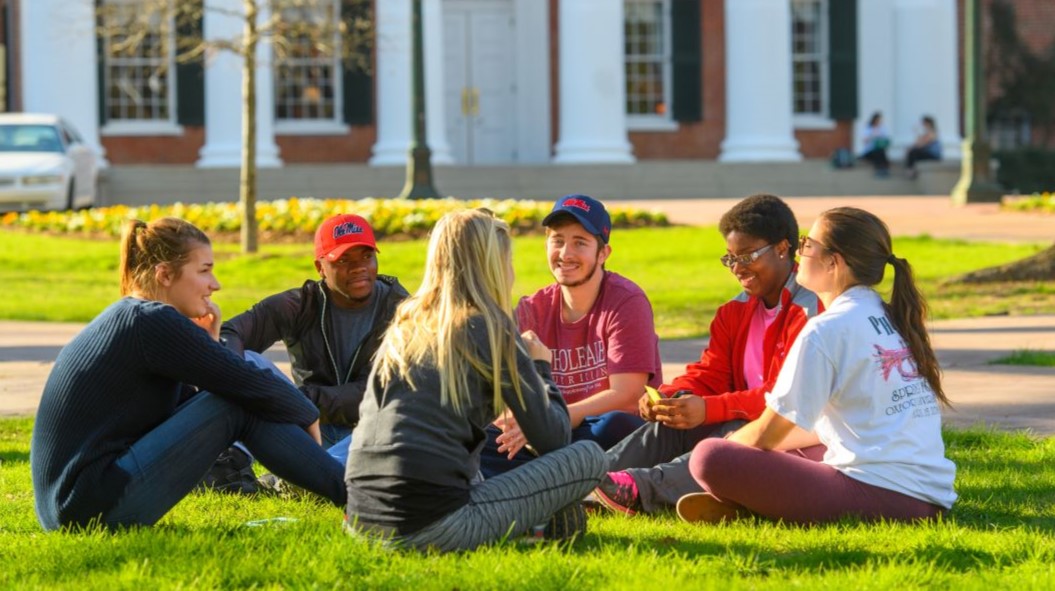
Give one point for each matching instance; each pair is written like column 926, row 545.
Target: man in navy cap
column 599, row 328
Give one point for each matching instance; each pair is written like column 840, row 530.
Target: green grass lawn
column 1027, row 357
column 998, row 536
column 68, row 279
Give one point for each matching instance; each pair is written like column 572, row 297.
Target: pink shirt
column 754, row 366
column 616, row 336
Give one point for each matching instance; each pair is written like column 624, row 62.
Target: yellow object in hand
column 653, row 394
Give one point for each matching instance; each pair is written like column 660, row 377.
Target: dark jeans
column 335, row 438
column 878, row 158
column 166, row 463
column 607, row 430
column 919, row 154
column 657, row 457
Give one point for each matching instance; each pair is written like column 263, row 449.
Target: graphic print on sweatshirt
column 581, row 371
column 912, row 391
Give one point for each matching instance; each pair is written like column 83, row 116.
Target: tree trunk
column 247, row 178
column 1039, row 267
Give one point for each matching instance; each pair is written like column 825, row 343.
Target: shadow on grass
column 14, row 456
column 759, row 558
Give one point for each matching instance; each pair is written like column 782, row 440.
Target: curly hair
column 763, row 216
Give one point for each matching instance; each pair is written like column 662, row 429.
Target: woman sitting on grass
column 449, row 363
column 122, row 435
column 862, row 379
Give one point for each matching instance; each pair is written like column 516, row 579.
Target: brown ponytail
column 863, row 240
column 908, row 311
column 145, row 246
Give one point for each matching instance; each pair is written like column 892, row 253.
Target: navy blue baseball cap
column 587, row 211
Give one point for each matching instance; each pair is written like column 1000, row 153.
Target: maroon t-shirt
column 616, row 336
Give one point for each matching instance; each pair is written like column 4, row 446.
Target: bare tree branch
column 171, row 31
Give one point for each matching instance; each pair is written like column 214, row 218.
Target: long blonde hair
column 165, row 241
column 468, row 272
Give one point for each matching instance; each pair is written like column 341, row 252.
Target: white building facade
column 514, row 82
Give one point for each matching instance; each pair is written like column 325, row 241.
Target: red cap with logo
column 341, row 232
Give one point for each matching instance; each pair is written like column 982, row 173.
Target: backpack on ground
column 843, row 158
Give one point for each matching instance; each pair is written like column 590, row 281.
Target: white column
column 875, row 65
column 435, row 81
column 392, row 40
column 533, row 81
column 223, row 93
column 592, row 84
column 758, row 109
column 394, row 93
column 59, row 69
column 267, row 155
column 926, row 63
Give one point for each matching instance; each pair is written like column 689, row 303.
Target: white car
column 44, row 164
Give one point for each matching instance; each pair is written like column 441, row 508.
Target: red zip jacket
column 719, row 374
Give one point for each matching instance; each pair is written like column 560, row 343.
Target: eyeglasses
column 744, row 259
column 806, row 245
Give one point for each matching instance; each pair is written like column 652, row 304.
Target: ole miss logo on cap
column 345, row 229
column 579, row 203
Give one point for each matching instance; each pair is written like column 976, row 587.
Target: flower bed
column 1037, row 202
column 298, row 218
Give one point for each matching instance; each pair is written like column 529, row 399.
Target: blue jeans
column 339, row 450
column 336, row 439
column 607, row 430
column 166, row 463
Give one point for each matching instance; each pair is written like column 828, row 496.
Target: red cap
column 341, row 232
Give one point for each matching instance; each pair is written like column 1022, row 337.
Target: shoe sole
column 611, row 504
column 702, row 507
column 566, row 524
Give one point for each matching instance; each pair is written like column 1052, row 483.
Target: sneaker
column 232, row 472
column 566, row 524
column 592, row 505
column 272, row 485
column 618, row 492
column 703, row 507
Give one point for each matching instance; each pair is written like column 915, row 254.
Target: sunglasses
column 807, row 244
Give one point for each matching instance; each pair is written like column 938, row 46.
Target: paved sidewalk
column 906, row 216
column 1001, row 396
column 998, row 395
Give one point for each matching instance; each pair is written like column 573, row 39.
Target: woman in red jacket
column 724, row 389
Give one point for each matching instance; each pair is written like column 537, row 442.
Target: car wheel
column 70, row 193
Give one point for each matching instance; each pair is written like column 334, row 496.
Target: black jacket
column 297, row 317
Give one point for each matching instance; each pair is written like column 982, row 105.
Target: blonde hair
column 467, row 273
column 144, row 246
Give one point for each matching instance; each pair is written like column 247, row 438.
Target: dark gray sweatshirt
column 412, row 458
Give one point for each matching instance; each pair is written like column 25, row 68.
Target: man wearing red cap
column 331, row 326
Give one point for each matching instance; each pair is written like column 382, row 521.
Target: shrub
column 1028, row 170
column 1042, row 202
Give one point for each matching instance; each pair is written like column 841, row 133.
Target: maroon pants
column 795, row 486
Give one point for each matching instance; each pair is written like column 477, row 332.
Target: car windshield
column 29, row 138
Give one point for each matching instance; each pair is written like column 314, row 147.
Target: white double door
column 479, row 69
